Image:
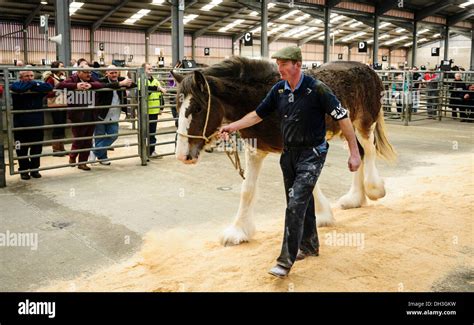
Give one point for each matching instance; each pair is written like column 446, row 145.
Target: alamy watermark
column 14, row 239
column 355, row 239
column 75, row 97
column 235, row 143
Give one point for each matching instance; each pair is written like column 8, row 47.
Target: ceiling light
column 211, row 5
column 300, row 18
column 75, row 6
column 437, row 35
column 136, row 16
column 348, row 38
column 398, row 39
column 291, row 13
column 277, row 29
column 231, row 25
column 408, row 44
column 354, row 25
column 384, row 25
column 400, row 30
column 465, row 4
column 157, row 2
column 188, row 18
column 253, row 13
column 423, row 31
column 271, row 5
column 44, row 2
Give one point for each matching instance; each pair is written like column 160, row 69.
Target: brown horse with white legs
column 229, row 90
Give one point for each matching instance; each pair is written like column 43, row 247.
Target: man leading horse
column 301, row 101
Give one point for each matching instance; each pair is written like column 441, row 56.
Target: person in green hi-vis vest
column 155, row 98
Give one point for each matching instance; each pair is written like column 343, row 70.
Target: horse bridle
column 236, row 160
column 203, row 136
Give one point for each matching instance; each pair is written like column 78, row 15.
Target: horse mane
column 244, row 70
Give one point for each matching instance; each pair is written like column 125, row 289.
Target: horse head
column 200, row 114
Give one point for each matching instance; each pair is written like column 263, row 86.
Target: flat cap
column 289, row 53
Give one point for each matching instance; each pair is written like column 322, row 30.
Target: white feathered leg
column 324, row 216
column 373, row 183
column 355, row 198
column 243, row 228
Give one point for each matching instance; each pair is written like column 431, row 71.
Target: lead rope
column 236, row 163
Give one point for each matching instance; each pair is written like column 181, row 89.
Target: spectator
column 417, row 81
column 20, row 63
column 466, row 112
column 81, row 81
column 431, row 80
column 399, row 89
column 172, row 84
column 154, row 101
column 457, row 88
column 116, row 97
column 57, row 99
column 96, row 74
column 24, row 100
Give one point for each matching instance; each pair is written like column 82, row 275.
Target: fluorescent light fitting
column 465, row 4
column 211, row 5
column 384, row 25
column 157, row 2
column 253, row 13
column 188, row 18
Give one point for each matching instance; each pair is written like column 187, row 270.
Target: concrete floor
column 87, row 220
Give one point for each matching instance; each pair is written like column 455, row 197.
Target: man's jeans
column 104, row 129
column 301, row 169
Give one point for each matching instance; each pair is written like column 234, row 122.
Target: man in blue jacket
column 302, row 103
column 28, row 94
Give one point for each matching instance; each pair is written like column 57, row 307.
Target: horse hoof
column 235, row 236
column 351, row 201
column 375, row 191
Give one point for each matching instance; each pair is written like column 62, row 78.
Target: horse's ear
column 199, row 80
column 178, row 77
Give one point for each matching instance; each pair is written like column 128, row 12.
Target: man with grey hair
column 28, row 94
column 110, row 116
column 457, row 88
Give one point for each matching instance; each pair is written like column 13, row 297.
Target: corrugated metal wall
column 11, row 46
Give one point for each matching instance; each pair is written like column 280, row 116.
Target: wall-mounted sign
column 362, row 47
column 248, row 39
column 207, row 51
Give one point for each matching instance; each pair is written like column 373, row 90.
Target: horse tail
column 382, row 145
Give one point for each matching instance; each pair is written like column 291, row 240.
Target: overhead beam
column 110, row 13
column 219, row 21
column 32, row 15
column 153, row 28
column 276, row 17
column 384, row 7
column 332, row 3
column 453, row 20
column 250, row 5
column 431, row 10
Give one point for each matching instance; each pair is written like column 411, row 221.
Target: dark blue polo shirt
column 302, row 111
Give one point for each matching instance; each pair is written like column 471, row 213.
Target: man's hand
column 125, row 83
column 354, row 162
column 163, row 90
column 466, row 96
column 225, row 130
column 82, row 85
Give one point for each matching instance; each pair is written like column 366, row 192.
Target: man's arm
column 348, row 132
column 247, row 121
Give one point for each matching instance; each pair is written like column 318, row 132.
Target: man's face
column 112, row 75
column 288, row 69
column 26, row 76
column 85, row 75
column 148, row 70
column 457, row 77
column 471, row 87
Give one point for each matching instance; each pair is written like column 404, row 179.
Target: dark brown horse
column 229, row 90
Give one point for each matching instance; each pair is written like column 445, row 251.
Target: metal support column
column 3, row 182
column 144, row 125
column 413, row 47
column 348, row 53
column 91, row 46
column 446, row 42
column 25, row 44
column 193, row 47
column 375, row 47
column 147, row 47
column 177, row 30
column 389, row 59
column 327, row 40
column 472, row 50
column 263, row 33
column 63, row 27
